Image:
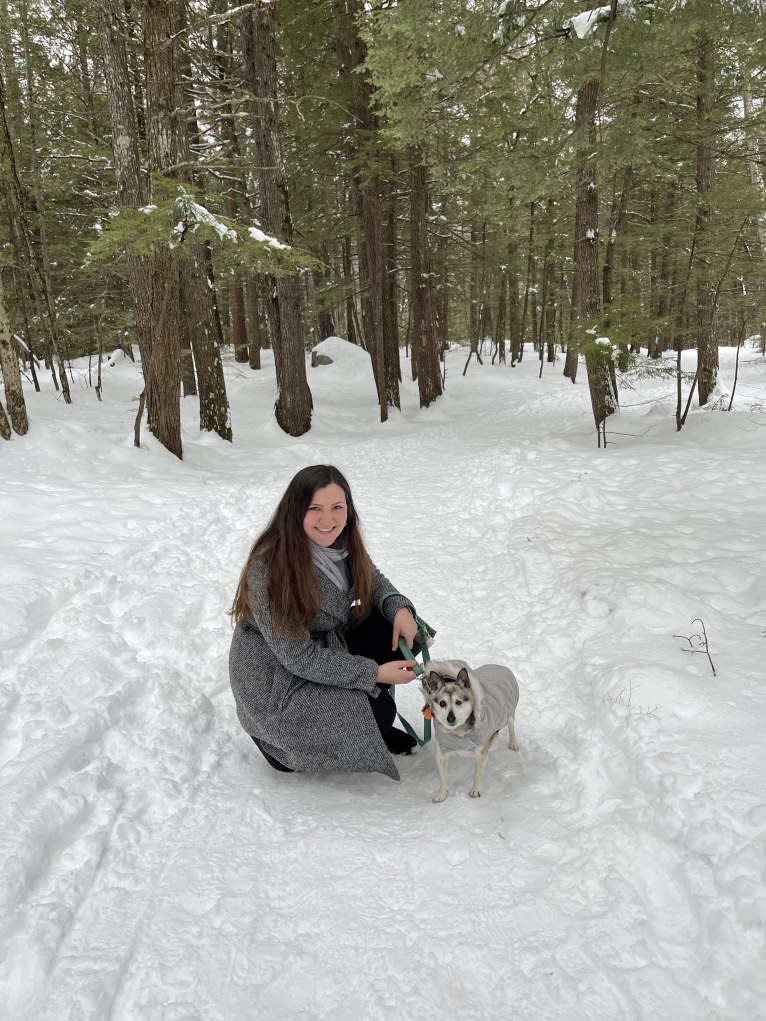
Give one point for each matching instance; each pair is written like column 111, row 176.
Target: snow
column 154, row 868
column 195, row 213
column 584, row 22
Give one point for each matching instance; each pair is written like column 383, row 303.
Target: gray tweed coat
column 305, row 699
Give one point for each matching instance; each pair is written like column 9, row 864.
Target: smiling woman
column 317, row 630
column 327, row 515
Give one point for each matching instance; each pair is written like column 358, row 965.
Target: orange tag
column 427, row 711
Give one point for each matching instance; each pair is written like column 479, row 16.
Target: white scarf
column 331, row 562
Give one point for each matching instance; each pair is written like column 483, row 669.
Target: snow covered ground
column 154, row 868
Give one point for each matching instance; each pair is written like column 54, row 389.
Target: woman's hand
column 405, row 627
column 398, row 671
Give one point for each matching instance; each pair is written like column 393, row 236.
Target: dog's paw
column 439, row 797
column 475, row 794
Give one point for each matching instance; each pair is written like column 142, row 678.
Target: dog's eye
column 458, row 701
column 443, row 704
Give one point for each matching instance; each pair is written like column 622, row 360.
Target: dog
column 469, row 707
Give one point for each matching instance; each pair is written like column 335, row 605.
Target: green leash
column 425, row 634
column 419, row 672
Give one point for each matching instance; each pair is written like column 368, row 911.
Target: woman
column 316, row 639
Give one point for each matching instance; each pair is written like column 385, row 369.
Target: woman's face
column 327, row 515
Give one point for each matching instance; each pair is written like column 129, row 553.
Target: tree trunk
column 199, row 314
column 367, row 189
column 617, row 228
column 390, row 307
column 42, row 257
column 350, row 303
column 585, row 300
column 754, row 163
column 235, row 196
column 294, row 404
column 127, row 162
column 238, row 318
column 9, row 365
column 425, row 344
column 5, row 425
column 500, row 324
column 25, row 245
column 441, row 262
column 707, row 349
column 617, row 223
column 325, row 324
column 163, row 381
column 255, row 328
column 197, row 309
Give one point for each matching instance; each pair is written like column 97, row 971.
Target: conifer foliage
column 203, row 178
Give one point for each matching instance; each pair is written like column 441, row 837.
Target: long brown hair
column 285, row 549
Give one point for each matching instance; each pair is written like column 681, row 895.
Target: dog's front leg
column 441, row 765
column 480, row 760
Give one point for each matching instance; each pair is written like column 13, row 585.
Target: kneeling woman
column 317, row 629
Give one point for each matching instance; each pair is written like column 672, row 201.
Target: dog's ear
column 431, row 682
column 463, row 679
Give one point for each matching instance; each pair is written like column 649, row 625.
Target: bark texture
column 707, row 348
column 585, row 302
column 163, row 380
column 294, row 404
column 425, row 341
column 125, row 149
column 9, row 365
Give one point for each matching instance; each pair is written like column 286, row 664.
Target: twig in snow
column 698, row 642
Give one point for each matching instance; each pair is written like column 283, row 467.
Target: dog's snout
column 450, row 717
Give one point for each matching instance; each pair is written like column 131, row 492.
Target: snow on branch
column 582, row 24
column 194, row 213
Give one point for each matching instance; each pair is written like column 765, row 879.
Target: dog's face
column 451, row 699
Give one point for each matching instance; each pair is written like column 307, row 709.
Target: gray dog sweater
column 495, row 696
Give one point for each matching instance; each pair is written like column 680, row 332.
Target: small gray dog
column 469, row 708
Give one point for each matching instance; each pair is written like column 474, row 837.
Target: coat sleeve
column 386, row 597
column 303, row 656
column 389, row 600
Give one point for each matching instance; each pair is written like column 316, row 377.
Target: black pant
column 372, row 638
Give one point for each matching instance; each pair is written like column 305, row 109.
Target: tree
column 598, row 350
column 9, row 366
column 425, row 340
column 200, row 324
column 31, row 254
column 482, row 98
column 376, row 247
column 127, row 161
column 294, row 404
column 162, row 375
column 707, row 348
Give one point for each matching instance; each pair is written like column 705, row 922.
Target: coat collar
column 334, row 602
